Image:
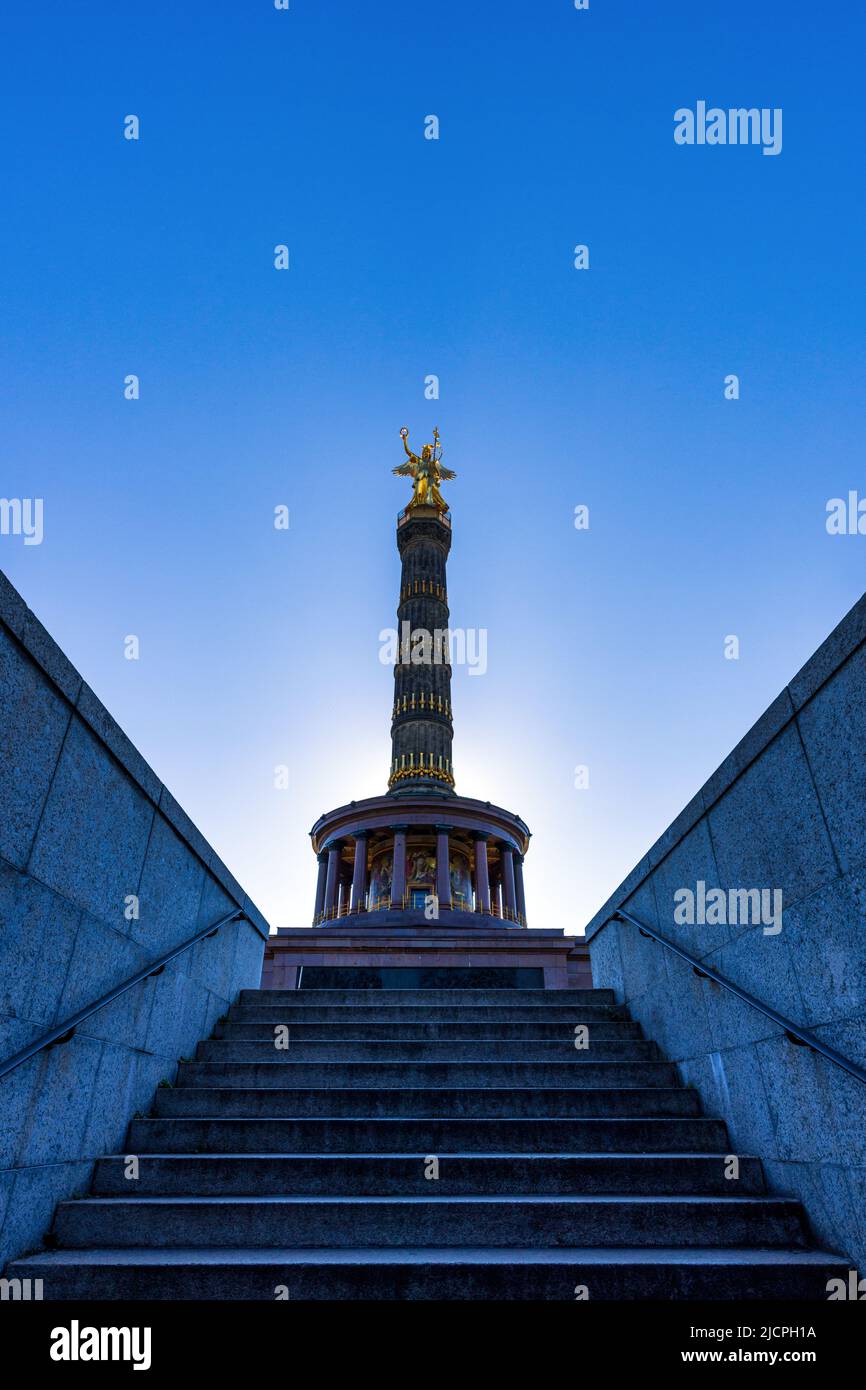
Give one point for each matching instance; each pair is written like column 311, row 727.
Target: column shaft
column 443, row 868
column 482, row 877
column 398, row 870
column 320, row 887
column 508, row 880
column 518, row 884
column 332, row 882
column 359, row 877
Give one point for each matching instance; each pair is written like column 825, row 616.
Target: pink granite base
column 564, row 960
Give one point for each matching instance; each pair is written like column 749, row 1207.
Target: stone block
column 35, row 1193
column 833, row 726
column 36, row 942
column 92, row 839
column 747, row 1112
column 33, row 724
column 102, row 959
column 643, row 968
column 751, row 746
column 691, row 861
column 678, row 1013
column 188, row 831
column 845, row 638
column 13, row 609
column 112, row 1100
column 149, row 1071
column 249, row 950
column 63, row 1084
column 848, row 1095
column 825, row 1192
column 855, row 1246
column 177, row 1018
column 761, row 965
column 826, row 935
column 258, row 921
column 819, row 1112
column 18, row 1089
column 94, row 714
column 46, row 653
column 768, row 830
column 170, row 892
column 215, row 902
column 606, row 961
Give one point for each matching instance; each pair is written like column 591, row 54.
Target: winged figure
column 426, row 472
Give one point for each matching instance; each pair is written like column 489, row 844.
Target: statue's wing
column 447, row 473
column 405, row 470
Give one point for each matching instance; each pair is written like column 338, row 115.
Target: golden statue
column 426, row 472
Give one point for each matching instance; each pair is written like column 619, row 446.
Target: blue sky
column 558, row 387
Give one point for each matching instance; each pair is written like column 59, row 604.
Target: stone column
column 482, row 877
column 359, row 878
column 508, row 887
column 332, row 882
column 398, row 868
column 320, row 886
column 443, row 868
column 518, row 884
column 345, row 890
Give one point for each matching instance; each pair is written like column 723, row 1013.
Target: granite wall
column 785, row 811
column 85, row 827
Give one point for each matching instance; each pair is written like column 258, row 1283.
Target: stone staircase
column 307, row 1172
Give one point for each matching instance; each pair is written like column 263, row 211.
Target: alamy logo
column 737, row 907
column 22, row 516
column 451, row 646
column 855, row 1288
column 77, row 1343
column 738, row 125
column 846, row 516
column 20, row 1290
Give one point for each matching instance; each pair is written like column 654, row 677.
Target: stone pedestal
column 410, row 942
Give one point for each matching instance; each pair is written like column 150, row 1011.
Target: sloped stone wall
column 84, row 826
column 785, row 811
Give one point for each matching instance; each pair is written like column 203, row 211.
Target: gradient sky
column 558, row 387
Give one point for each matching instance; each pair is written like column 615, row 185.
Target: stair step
column 348, row 1030
column 309, row 1169
column 439, row 1102
column 433, row 1273
column 381, row 1012
column 430, row 1136
column 284, row 1070
column 424, row 997
column 346, row 1222
column 228, row 1047
column 378, row 1175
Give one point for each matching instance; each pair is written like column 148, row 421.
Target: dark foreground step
column 452, row 1274
column 511, row 1049
column 518, row 1221
column 376, row 1012
column 382, row 1175
column 429, row 1136
column 283, row 1069
column 615, row 1031
column 439, row 1102
column 423, row 998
